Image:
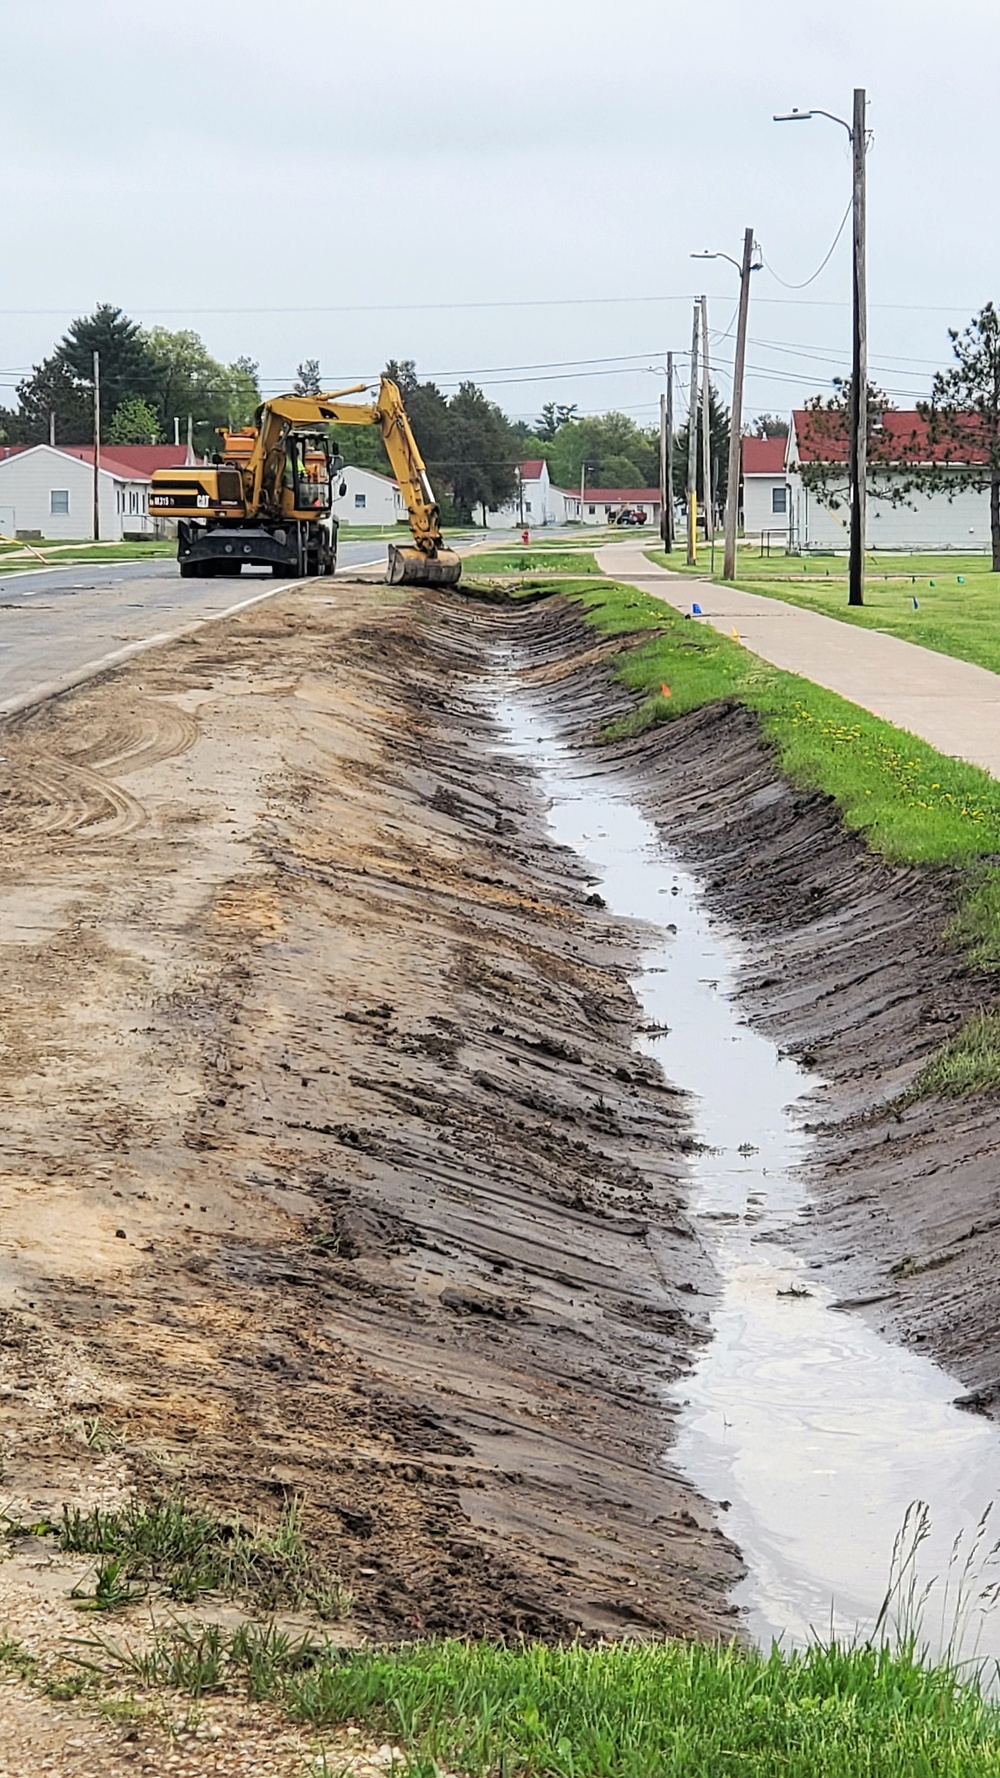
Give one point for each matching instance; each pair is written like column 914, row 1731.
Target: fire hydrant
column 526, row 535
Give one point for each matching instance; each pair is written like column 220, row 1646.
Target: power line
column 823, row 263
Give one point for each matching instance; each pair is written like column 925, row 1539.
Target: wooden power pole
column 669, row 414
column 859, row 380
column 97, row 447
column 736, row 423
column 692, row 474
column 706, row 428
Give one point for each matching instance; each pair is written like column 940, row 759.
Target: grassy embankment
column 619, row 1711
column 15, row 559
column 911, row 803
column 958, row 597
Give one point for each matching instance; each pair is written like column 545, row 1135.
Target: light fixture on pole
column 736, row 421
column 858, row 134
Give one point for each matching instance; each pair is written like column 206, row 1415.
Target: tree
column 718, row 432
column 188, row 380
column 894, row 454
column 767, row 426
column 127, row 367
column 134, row 422
column 307, row 378
column 554, row 415
column 49, row 390
column 963, row 417
column 615, row 451
column 482, row 468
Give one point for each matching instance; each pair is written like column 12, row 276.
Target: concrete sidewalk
column 950, row 704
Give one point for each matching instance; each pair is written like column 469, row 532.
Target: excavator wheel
column 410, row 567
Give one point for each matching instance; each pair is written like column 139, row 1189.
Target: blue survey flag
column 916, row 604
column 696, row 611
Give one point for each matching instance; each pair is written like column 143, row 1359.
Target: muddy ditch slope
column 329, row 1171
column 849, row 970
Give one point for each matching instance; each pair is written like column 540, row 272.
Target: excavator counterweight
column 267, row 499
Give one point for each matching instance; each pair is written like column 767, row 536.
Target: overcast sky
column 491, row 186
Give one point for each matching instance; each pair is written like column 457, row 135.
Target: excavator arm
column 427, row 562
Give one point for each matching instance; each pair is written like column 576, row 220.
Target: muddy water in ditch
column 816, row 1433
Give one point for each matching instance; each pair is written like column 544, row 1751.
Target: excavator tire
column 410, row 567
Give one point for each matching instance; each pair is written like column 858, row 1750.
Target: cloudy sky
column 505, row 189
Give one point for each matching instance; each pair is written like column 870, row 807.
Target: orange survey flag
column 665, row 691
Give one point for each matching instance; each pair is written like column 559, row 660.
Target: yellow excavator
column 267, row 496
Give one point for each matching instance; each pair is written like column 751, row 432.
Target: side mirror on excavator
column 342, row 490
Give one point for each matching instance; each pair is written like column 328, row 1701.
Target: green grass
column 184, row 1553
column 958, row 597
column 13, row 562
column 673, row 1710
column 520, row 559
column 911, row 803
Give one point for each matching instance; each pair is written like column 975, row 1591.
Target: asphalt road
column 58, row 625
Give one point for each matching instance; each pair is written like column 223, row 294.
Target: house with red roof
column 766, row 494
column 48, row 490
column 900, row 445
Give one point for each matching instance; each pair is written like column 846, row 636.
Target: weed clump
column 186, row 1553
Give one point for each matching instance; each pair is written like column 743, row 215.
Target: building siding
column 28, row 480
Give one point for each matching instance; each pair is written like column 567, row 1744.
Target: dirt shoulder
column 328, row 1169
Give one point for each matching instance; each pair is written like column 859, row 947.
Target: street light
column 736, row 420
column 859, row 371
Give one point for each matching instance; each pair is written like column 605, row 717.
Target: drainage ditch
column 811, row 1433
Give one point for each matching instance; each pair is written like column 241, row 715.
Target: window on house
column 360, row 502
column 779, row 500
column 591, row 510
column 59, row 502
column 527, row 506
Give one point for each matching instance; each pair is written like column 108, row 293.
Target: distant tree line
column 149, row 378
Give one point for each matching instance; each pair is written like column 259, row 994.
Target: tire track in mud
column 47, row 790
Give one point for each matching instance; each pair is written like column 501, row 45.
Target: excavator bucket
column 411, row 567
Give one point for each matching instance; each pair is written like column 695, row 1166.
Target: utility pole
column 706, row 428
column 190, row 437
column 52, row 427
column 177, row 430
column 736, row 423
column 669, row 464
column 97, row 447
column 692, row 474
column 859, row 381
column 857, row 130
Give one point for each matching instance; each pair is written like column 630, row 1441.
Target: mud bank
column 849, row 970
column 328, row 1168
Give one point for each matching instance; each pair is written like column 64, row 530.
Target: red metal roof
column 620, row 496
column 532, row 470
column 132, row 462
column 903, row 437
column 764, row 456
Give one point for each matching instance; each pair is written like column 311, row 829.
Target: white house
column 48, row 490
column 538, row 501
column 924, row 521
column 766, row 494
column 601, row 505
column 368, row 498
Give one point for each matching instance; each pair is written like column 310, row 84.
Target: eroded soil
column 329, row 1171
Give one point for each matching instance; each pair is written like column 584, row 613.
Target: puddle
column 818, row 1433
